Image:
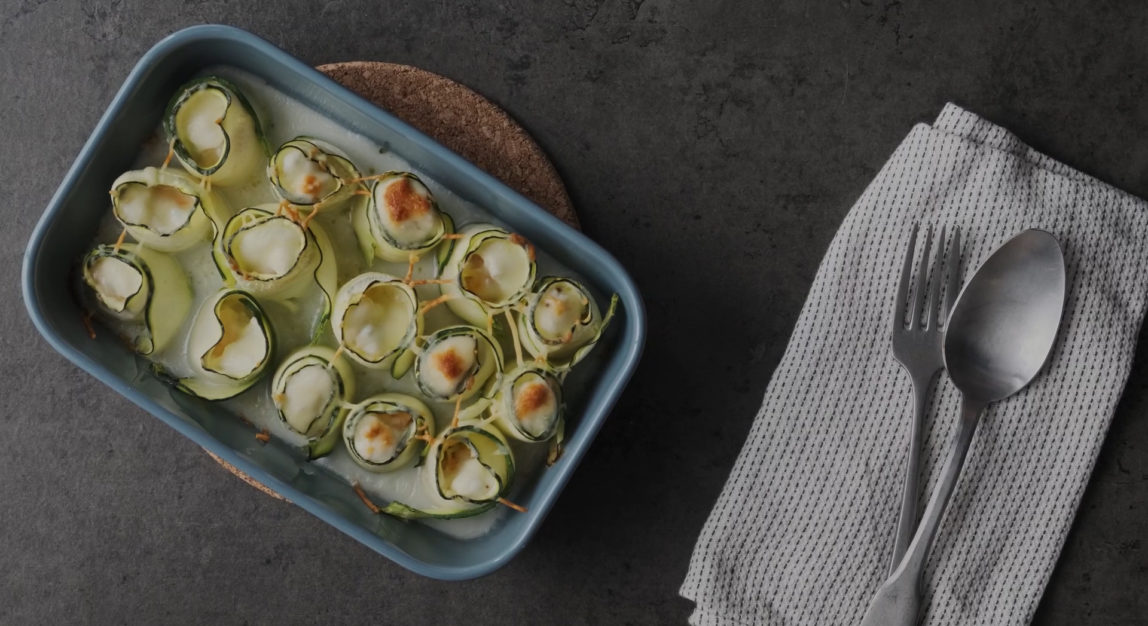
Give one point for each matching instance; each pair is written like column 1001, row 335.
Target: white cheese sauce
column 282, row 119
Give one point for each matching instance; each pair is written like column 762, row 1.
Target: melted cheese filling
column 303, row 177
column 535, row 405
column 306, row 394
column 160, row 208
column 496, row 271
column 405, row 210
column 376, row 325
column 560, row 309
column 115, row 282
column 448, row 364
column 243, row 346
column 199, row 123
column 464, row 475
column 380, row 437
column 268, row 249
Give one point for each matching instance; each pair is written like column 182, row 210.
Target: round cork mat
column 460, row 119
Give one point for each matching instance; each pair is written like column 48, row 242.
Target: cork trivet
column 463, row 121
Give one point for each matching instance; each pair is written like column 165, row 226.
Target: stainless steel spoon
column 999, row 335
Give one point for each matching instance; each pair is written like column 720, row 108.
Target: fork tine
column 933, row 304
column 915, row 316
column 903, row 286
column 953, row 268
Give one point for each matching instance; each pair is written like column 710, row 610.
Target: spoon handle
column 898, row 601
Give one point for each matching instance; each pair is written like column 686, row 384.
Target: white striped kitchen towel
column 803, row 530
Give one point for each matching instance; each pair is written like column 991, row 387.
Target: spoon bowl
column 1004, row 322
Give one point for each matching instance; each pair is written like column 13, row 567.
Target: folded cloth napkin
column 803, row 530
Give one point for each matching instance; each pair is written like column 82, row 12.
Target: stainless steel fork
column 917, row 341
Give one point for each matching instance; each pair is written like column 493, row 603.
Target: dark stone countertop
column 713, row 147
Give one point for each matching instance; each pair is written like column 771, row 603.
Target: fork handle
column 898, row 601
column 907, row 522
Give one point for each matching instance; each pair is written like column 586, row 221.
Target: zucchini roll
column 386, row 432
column 230, row 345
column 139, row 285
column 306, row 173
column 400, row 219
column 528, row 405
column 457, row 362
column 376, row 317
column 561, row 322
column 489, row 271
column 214, row 132
column 267, row 254
column 467, row 472
column 310, row 391
column 164, row 209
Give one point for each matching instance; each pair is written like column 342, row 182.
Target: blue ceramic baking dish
column 71, row 218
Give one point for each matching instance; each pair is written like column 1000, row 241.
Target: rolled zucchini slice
column 561, row 323
column 382, row 433
column 458, row 362
column 268, row 254
column 376, row 318
column 528, row 405
column 164, row 209
column 311, row 391
column 214, row 132
column 400, row 219
column 490, row 270
column 307, row 173
column 135, row 284
column 468, row 470
column 230, row 346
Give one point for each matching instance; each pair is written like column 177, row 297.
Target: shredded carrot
column 263, row 436
column 363, row 179
column 452, row 236
column 490, row 324
column 511, row 505
column 310, row 216
column 361, row 192
column 334, row 357
column 119, row 241
column 412, row 258
column 170, row 153
column 520, row 240
column 430, row 281
column 86, row 318
column 363, row 496
column 458, row 406
column 433, row 303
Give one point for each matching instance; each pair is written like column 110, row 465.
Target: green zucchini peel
column 229, row 346
column 561, row 322
column 457, row 362
column 310, row 391
column 310, row 174
column 385, row 432
column 489, row 271
column 135, row 284
column 468, row 472
column 214, row 131
column 376, row 318
column 165, row 209
column 401, row 218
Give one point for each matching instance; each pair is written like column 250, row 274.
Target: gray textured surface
column 712, row 147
